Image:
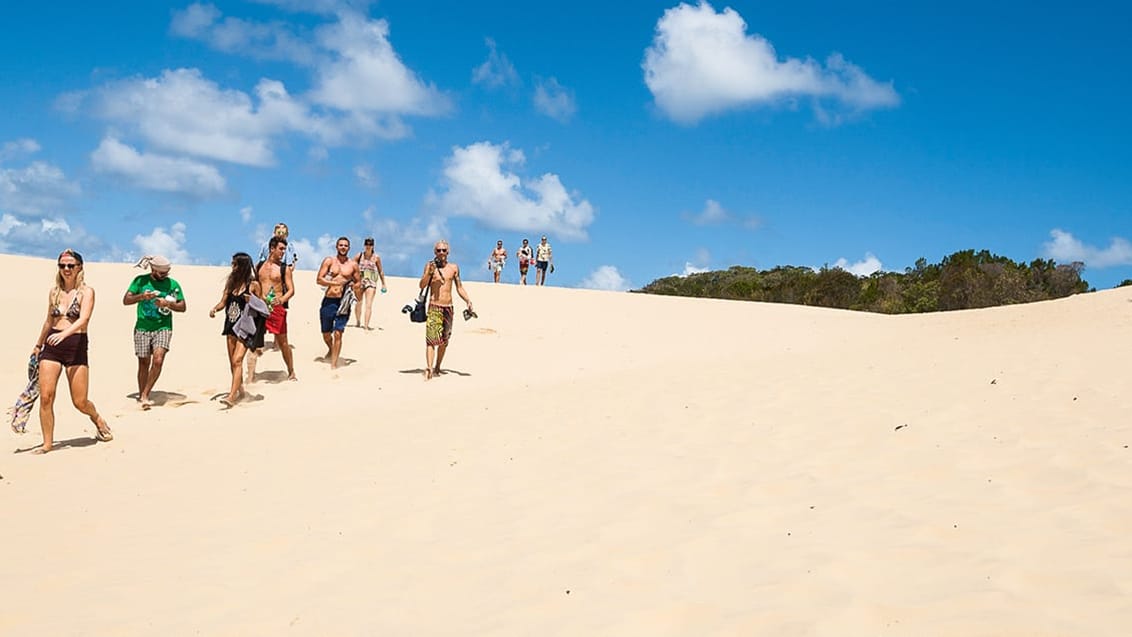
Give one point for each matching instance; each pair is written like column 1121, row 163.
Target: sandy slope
column 592, row 464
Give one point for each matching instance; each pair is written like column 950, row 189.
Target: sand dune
column 592, row 464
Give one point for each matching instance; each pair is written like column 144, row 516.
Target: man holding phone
column 157, row 297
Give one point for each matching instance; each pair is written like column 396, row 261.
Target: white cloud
column 45, row 237
column 272, row 41
column 606, row 277
column 478, row 183
column 17, row 148
column 712, row 214
column 691, row 268
column 1065, row 249
column 365, row 74
column 400, row 242
column 496, row 71
column 360, row 87
column 715, row 214
column 170, row 244
column 37, row 189
column 554, row 100
column 157, row 172
column 864, row 267
column 702, row 63
column 246, row 214
column 366, row 176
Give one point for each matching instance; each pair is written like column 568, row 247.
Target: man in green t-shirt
column 157, row 297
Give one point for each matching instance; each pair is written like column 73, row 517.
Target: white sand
column 592, row 464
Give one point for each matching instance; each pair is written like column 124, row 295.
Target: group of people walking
column 253, row 303
column 541, row 255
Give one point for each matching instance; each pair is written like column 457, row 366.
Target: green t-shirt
column 150, row 317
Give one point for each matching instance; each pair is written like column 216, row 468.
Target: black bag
column 419, row 313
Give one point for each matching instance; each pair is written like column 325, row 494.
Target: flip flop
column 104, row 436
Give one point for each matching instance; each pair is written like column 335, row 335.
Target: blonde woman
column 62, row 345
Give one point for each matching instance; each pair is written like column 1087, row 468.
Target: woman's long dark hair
column 241, row 275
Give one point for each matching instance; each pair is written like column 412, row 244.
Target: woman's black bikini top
column 73, row 311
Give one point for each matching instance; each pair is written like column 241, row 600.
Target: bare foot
column 437, row 372
column 39, row 451
column 428, row 374
column 292, row 376
column 145, row 403
column 104, row 434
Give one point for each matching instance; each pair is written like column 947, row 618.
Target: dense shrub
column 962, row 280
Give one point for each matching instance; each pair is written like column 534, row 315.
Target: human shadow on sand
column 62, row 444
column 342, row 360
column 273, row 377
column 160, row 398
column 245, row 399
column 443, row 371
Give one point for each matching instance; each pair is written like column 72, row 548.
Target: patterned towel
column 21, row 411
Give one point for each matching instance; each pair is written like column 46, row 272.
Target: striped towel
column 21, row 411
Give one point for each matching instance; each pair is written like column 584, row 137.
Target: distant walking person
column 289, row 257
column 278, row 283
column 157, row 297
column 544, row 259
column 439, row 275
column 238, row 290
column 497, row 260
column 525, row 254
column 62, row 344
column 337, row 274
column 370, row 265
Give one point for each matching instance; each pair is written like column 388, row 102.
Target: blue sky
column 644, row 138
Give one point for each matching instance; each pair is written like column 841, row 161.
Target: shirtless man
column 439, row 275
column 497, row 260
column 336, row 274
column 276, row 278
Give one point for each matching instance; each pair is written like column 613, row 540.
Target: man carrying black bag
column 437, row 279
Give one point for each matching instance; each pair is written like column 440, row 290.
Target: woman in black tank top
column 241, row 284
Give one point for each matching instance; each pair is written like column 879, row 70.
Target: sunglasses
column 441, row 250
column 68, row 266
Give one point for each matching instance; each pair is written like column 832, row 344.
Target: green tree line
column 962, row 280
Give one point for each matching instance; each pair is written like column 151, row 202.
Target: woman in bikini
column 241, row 284
column 370, row 265
column 62, row 345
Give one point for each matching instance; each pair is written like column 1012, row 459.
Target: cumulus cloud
column 479, row 182
column 364, row 74
column 361, row 90
column 366, row 176
column 712, row 214
column 554, row 100
column 18, row 148
column 37, row 189
column 168, row 243
column 605, row 277
column 157, row 172
column 1064, row 248
column 246, row 214
column 864, row 267
column 399, row 242
column 715, row 214
column 496, row 71
column 702, row 62
column 270, row 41
column 45, row 236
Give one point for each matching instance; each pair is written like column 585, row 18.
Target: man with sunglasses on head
column 439, row 275
column 157, row 297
